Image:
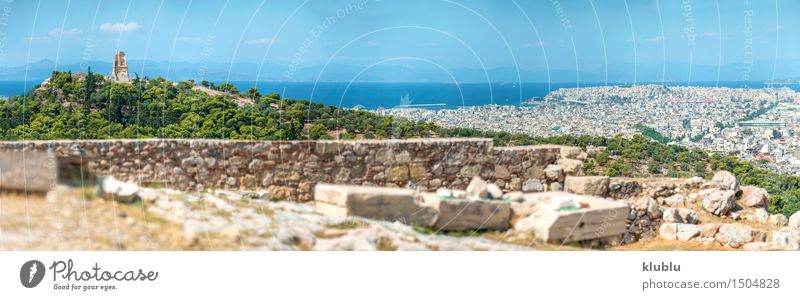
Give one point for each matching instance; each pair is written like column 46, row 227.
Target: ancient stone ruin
column 119, row 70
column 516, row 195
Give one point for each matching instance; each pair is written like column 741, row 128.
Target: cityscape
column 758, row 125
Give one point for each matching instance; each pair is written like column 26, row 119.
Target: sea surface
column 389, row 95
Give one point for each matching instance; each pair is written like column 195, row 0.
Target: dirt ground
column 38, row 222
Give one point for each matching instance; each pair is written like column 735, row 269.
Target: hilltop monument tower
column 119, row 71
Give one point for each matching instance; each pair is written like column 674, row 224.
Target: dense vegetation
column 86, row 106
column 69, row 107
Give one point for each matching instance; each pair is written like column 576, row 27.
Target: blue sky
column 532, row 35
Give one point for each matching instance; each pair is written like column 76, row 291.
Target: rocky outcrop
column 736, row 235
column 754, row 197
column 718, row 202
column 785, row 239
column 726, row 181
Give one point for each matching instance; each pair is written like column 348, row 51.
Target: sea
column 366, row 95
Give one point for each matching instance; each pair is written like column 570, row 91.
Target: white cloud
column 117, row 28
column 60, row 32
column 261, row 41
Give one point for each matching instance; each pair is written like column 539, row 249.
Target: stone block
column 602, row 218
column 459, row 215
column 379, row 203
column 33, row 171
column 587, row 185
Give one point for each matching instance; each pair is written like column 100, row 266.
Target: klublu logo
column 31, row 273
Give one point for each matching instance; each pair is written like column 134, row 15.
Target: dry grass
column 665, row 245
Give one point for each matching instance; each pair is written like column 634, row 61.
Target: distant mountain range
column 786, row 70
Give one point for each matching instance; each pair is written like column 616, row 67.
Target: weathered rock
column 709, row 230
column 718, row 202
column 554, row 173
column 687, row 232
column 794, row 221
column 695, row 182
column 668, row 231
column 670, row 215
column 680, row 215
column 759, row 215
column 459, row 215
column 709, row 185
column 501, row 171
column 602, row 218
column 570, row 152
column 255, row 165
column 756, row 246
column 112, row 189
column 778, row 219
column 726, row 181
column 477, row 189
column 392, row 204
column 279, row 192
column 398, row 173
column 688, row 215
column 494, row 191
column 533, row 185
column 418, row 171
column 555, row 187
column 735, row 235
column 755, row 197
column 650, row 207
column 661, row 189
column 299, row 237
column 587, row 185
column 785, row 239
column 571, row 167
column 674, row 200
column 691, row 198
column 620, row 188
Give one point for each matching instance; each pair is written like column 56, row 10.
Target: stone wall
column 289, row 169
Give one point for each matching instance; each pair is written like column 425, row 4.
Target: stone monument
column 119, row 71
